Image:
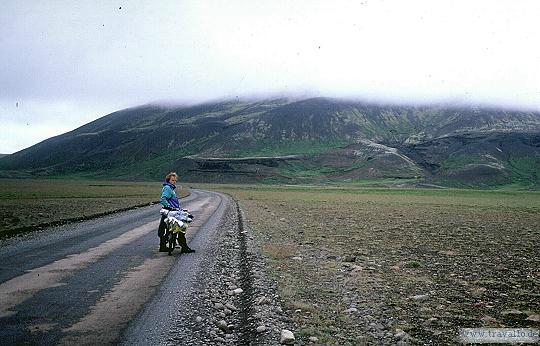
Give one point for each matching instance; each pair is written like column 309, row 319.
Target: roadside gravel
column 239, row 303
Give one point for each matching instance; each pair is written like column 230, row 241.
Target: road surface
column 85, row 283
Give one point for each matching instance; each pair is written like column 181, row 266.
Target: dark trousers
column 162, row 227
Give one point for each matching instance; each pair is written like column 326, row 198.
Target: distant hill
column 2, row 155
column 297, row 141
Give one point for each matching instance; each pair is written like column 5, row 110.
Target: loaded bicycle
column 176, row 225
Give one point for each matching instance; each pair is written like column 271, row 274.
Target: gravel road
column 220, row 295
column 103, row 282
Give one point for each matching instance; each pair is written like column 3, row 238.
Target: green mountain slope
column 312, row 140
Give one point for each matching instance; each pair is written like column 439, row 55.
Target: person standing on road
column 169, row 201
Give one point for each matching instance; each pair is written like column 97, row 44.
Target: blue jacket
column 168, row 196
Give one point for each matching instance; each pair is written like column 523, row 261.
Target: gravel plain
column 388, row 267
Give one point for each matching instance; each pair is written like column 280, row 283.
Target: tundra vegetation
column 360, row 264
column 30, row 204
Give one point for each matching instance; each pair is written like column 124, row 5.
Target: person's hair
column 170, row 175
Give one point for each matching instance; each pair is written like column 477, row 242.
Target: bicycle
column 176, row 221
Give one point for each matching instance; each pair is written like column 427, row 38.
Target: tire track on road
column 19, row 289
column 116, row 308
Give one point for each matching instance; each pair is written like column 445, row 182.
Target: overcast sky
column 65, row 63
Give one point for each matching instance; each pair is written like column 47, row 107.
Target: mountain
column 297, row 141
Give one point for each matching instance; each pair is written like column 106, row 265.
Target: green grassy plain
column 356, row 265
column 29, row 204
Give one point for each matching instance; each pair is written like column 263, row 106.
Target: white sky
column 65, row 63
